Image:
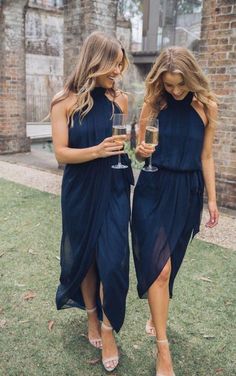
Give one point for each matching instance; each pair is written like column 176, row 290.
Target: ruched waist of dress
column 195, row 176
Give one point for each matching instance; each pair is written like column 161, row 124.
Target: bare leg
column 109, row 347
column 88, row 288
column 158, row 298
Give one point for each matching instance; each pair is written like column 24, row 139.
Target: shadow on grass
column 186, row 356
column 86, row 358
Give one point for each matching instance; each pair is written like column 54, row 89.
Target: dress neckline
column 187, row 100
column 98, row 91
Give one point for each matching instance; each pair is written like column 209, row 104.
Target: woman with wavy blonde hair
column 95, row 198
column 168, row 203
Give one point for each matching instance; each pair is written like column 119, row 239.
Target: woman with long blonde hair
column 95, row 197
column 168, row 202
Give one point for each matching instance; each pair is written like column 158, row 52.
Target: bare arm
column 143, row 150
column 208, row 166
column 122, row 101
column 65, row 154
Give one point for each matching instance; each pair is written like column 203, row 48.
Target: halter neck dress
column 95, row 202
column 168, row 203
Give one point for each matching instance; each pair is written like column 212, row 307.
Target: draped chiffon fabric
column 95, row 204
column 168, row 203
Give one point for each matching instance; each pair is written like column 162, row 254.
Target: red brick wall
column 218, row 59
column 12, row 78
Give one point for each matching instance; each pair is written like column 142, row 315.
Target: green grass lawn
column 201, row 313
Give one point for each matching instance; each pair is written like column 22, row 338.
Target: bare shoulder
column 64, row 104
column 212, row 114
column 121, row 94
column 122, row 100
column 212, row 108
column 199, row 108
column 147, row 108
column 213, row 104
column 197, row 103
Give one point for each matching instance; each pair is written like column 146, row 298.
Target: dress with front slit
column 168, row 203
column 95, row 205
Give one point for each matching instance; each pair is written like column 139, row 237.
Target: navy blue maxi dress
column 168, row 203
column 95, row 204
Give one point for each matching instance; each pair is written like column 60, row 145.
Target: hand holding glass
column 151, row 139
column 119, row 122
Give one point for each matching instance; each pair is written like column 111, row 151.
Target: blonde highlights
column 177, row 60
column 97, row 57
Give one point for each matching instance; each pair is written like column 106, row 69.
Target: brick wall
column 82, row 17
column 44, row 57
column 12, row 78
column 218, row 58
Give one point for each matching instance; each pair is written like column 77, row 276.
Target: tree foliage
column 187, row 6
column 134, row 7
column 130, row 7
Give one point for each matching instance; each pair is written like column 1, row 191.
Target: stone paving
column 39, row 170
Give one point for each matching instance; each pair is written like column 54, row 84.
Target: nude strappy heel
column 166, row 342
column 114, row 359
column 95, row 342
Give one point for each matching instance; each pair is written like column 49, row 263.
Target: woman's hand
column 144, row 150
column 111, row 146
column 214, row 214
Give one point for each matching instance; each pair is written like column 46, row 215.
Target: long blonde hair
column 97, row 57
column 177, row 60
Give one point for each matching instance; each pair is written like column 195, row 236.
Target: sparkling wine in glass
column 119, row 122
column 151, row 139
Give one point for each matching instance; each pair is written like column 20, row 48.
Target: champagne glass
column 151, row 139
column 119, row 123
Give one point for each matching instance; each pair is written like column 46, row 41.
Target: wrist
column 211, row 200
column 212, row 205
column 95, row 152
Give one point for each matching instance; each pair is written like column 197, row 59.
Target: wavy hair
column 177, row 60
column 98, row 56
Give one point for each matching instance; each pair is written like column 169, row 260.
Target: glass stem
column 150, row 161
column 119, row 159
